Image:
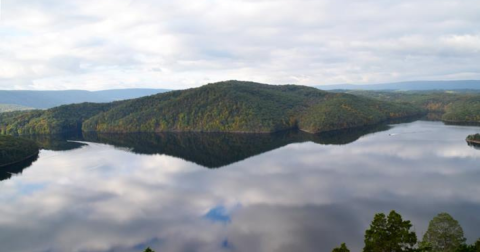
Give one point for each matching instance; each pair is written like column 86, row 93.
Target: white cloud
column 73, row 44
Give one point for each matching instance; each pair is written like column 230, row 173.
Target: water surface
column 283, row 192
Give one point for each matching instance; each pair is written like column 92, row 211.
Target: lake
column 235, row 192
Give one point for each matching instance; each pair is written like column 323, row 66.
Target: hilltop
column 230, row 106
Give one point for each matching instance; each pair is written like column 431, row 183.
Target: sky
column 106, row 44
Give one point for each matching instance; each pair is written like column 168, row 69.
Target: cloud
column 74, row 44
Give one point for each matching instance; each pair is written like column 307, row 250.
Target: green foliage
column 475, row 137
column 342, row 248
column 455, row 107
column 444, row 234
column 389, row 234
column 469, row 248
column 14, row 149
column 221, row 107
column 348, row 111
column 57, row 120
column 244, row 107
column 468, row 110
column 149, row 250
column 230, row 106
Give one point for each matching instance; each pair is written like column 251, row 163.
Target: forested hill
column 230, row 106
column 50, row 99
column 449, row 107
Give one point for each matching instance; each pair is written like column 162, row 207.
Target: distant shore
column 20, row 161
column 14, row 150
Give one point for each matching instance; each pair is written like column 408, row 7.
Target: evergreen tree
column 342, row 248
column 389, row 234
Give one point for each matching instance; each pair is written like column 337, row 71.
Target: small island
column 14, row 150
column 475, row 139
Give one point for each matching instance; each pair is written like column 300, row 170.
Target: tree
column 389, row 234
column 444, row 234
column 149, row 250
column 342, row 248
column 469, row 248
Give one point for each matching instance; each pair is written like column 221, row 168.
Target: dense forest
column 230, row 106
column 13, row 150
column 56, row 120
column 453, row 107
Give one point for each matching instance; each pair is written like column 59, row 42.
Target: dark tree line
column 393, row 234
column 15, row 149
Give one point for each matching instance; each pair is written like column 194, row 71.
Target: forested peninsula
column 230, row 106
column 14, row 150
column 447, row 106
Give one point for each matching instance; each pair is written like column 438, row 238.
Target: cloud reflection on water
column 301, row 197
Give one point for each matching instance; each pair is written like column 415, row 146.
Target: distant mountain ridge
column 50, row 99
column 409, row 86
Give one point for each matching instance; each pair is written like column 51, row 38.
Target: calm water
column 226, row 192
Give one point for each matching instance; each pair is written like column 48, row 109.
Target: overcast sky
column 103, row 44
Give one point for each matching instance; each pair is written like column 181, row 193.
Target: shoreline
column 397, row 120
column 473, row 141
column 461, row 123
column 19, row 161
